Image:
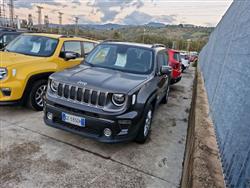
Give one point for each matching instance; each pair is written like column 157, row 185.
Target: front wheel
column 37, row 93
column 145, row 128
column 165, row 98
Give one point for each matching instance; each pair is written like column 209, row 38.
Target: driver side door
column 71, row 46
column 163, row 79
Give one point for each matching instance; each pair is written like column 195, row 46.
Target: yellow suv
column 27, row 62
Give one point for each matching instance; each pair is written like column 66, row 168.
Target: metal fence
column 225, row 65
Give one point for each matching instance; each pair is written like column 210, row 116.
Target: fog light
column 6, row 91
column 49, row 115
column 107, row 132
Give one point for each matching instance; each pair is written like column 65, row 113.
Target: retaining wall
column 225, row 65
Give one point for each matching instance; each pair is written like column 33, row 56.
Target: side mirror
column 165, row 70
column 2, row 46
column 69, row 55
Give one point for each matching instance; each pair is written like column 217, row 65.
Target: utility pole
column 143, row 37
column 30, row 22
column 76, row 26
column 60, row 21
column 39, row 11
column 46, row 21
column 174, row 45
column 3, row 12
column 11, row 11
column 188, row 44
column 18, row 25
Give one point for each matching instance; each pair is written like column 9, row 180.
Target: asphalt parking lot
column 34, row 155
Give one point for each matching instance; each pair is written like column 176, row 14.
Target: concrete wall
column 225, row 65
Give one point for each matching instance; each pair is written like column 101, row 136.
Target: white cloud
column 199, row 12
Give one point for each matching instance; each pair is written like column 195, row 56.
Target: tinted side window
column 162, row 59
column 177, row 56
column 8, row 38
column 166, row 58
column 88, row 46
column 1, row 42
column 72, row 46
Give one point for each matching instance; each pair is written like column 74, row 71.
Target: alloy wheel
column 148, row 121
column 39, row 96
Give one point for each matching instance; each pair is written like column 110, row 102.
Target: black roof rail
column 159, row 45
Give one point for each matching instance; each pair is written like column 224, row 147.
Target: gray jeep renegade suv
column 112, row 95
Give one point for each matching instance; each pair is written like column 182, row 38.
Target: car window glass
column 99, row 56
column 88, row 47
column 33, row 45
column 161, row 59
column 72, row 46
column 177, row 56
column 7, row 38
column 1, row 42
column 166, row 58
column 122, row 57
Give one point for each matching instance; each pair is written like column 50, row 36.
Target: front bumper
column 95, row 124
column 11, row 103
column 16, row 92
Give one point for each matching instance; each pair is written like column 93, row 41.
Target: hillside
column 177, row 36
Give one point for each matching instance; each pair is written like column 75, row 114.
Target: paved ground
column 34, row 155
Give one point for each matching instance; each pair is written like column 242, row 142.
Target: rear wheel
column 36, row 96
column 145, row 128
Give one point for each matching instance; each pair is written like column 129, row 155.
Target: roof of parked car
column 173, row 50
column 133, row 44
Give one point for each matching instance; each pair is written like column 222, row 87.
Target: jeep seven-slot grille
column 82, row 95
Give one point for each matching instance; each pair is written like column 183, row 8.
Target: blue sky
column 198, row 12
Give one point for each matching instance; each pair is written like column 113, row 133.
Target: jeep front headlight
column 3, row 73
column 118, row 99
column 54, row 85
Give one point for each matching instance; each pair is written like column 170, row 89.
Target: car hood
column 101, row 78
column 9, row 59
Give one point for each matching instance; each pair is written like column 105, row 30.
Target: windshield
column 122, row 57
column 33, row 45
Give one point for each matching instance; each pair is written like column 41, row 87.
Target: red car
column 174, row 60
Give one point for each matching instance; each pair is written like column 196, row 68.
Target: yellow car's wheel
column 36, row 96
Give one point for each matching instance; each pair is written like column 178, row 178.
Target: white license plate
column 75, row 120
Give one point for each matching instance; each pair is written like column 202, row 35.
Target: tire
column 183, row 68
column 37, row 92
column 145, row 128
column 165, row 98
